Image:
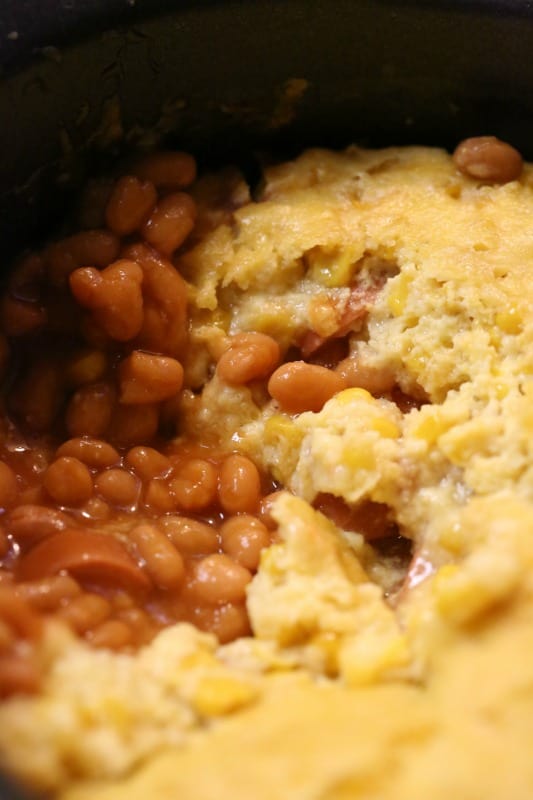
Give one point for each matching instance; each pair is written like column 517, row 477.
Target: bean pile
column 106, row 522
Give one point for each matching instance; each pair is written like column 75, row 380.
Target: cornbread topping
column 270, row 508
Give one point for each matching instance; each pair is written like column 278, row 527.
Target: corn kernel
column 416, row 363
column 453, row 539
column 458, row 597
column 430, row 429
column 366, row 661
column 509, row 321
column 385, row 427
column 359, row 459
column 280, row 426
column 397, row 298
column 281, row 432
column 331, row 269
column 328, row 644
column 201, row 659
column 501, row 390
column 349, row 395
column 219, row 695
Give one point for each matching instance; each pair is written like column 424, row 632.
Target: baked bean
column 93, row 452
column 194, row 484
column 243, row 538
column 90, row 410
column 131, row 425
column 163, row 562
column 265, row 510
column 299, row 387
column 48, row 594
column 68, row 481
column 190, row 536
column 85, row 611
column 170, row 222
column 149, row 378
column 239, row 485
column 19, row 317
column 139, row 623
column 159, row 497
column 130, row 203
column 122, row 600
column 16, row 612
column 6, row 577
column 165, row 321
column 113, row 634
column 96, row 509
column 250, row 356
column 376, row 380
column 18, row 675
column 118, row 486
column 167, row 169
column 33, row 495
column 37, row 397
column 87, row 366
column 86, row 555
column 93, row 333
column 487, row 158
column 29, row 523
column 217, row 579
column 7, row 638
column 4, row 544
column 227, row 622
column 97, row 248
column 147, row 462
column 8, row 486
column 114, row 295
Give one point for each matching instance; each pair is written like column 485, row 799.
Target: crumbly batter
column 342, row 693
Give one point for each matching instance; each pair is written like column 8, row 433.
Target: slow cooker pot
column 82, row 79
column 85, row 80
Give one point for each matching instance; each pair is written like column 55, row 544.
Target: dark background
column 84, row 79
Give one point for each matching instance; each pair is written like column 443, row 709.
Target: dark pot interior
column 85, row 79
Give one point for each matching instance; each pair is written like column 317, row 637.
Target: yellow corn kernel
column 495, row 337
column 398, row 295
column 501, row 390
column 116, row 711
column 430, row 429
column 349, row 395
column 331, row 269
column 280, row 428
column 366, row 661
column 87, row 367
column 279, row 425
column 360, row 458
column 453, row 539
column 328, row 644
column 459, row 597
column 219, row 695
column 385, row 427
column 200, row 659
column 416, row 363
column 509, row 321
